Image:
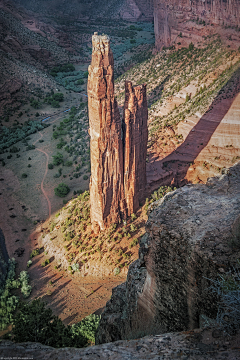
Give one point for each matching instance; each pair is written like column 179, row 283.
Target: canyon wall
column 118, row 147
column 173, row 16
column 190, row 237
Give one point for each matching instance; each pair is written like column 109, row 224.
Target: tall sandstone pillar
column 106, row 183
column 135, row 147
column 118, row 148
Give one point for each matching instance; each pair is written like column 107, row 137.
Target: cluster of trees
column 12, row 135
column 62, row 68
column 54, row 99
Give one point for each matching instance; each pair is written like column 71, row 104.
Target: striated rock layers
column 118, row 148
column 173, row 16
column 188, row 239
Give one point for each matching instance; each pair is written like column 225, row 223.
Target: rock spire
column 118, row 147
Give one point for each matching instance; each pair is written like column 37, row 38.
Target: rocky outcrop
column 135, row 141
column 192, row 345
column 106, row 183
column 172, row 17
column 188, row 239
column 118, row 148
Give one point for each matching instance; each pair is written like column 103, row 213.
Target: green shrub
column 116, row 271
column 57, row 159
column 75, row 267
column 25, row 287
column 85, row 177
column 8, row 302
column 45, row 262
column 36, row 323
column 35, row 252
column 61, row 190
column 87, row 327
column 50, row 166
column 68, row 163
column 24, row 175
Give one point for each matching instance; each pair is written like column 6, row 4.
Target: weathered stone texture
column 188, row 239
column 118, row 149
column 135, row 149
column 171, row 17
column 192, row 345
column 106, row 184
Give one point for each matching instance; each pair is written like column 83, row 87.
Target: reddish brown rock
column 174, row 16
column 135, row 149
column 106, row 184
column 118, row 149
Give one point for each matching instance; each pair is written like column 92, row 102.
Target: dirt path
column 45, row 174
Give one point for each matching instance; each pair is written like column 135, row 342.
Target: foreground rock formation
column 188, row 238
column 118, row 148
column 172, row 17
column 192, row 345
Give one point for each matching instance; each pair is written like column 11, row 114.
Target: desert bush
column 34, row 322
column 75, row 267
column 61, row 190
column 227, row 287
column 57, row 159
column 50, row 166
column 24, row 175
column 8, row 302
column 25, row 287
column 35, row 252
column 87, row 327
column 116, row 271
column 133, row 243
column 161, row 192
column 45, row 262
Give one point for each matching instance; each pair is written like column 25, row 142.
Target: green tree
column 57, row 159
column 58, row 97
column 34, row 322
column 61, row 190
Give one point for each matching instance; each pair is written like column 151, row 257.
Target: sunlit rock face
column 173, row 16
column 106, row 184
column 135, row 149
column 118, row 148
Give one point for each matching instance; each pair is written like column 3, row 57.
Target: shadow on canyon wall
column 200, row 135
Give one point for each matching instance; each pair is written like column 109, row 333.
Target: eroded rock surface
column 118, row 148
column 135, row 141
column 106, row 184
column 173, row 16
column 192, row 345
column 188, row 238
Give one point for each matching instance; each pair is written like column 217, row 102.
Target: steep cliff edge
column 172, row 17
column 188, row 239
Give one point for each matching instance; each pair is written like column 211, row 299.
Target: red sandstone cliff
column 118, row 150
column 173, row 16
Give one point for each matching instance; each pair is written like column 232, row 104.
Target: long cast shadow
column 201, row 133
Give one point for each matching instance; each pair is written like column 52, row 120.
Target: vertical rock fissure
column 118, row 147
